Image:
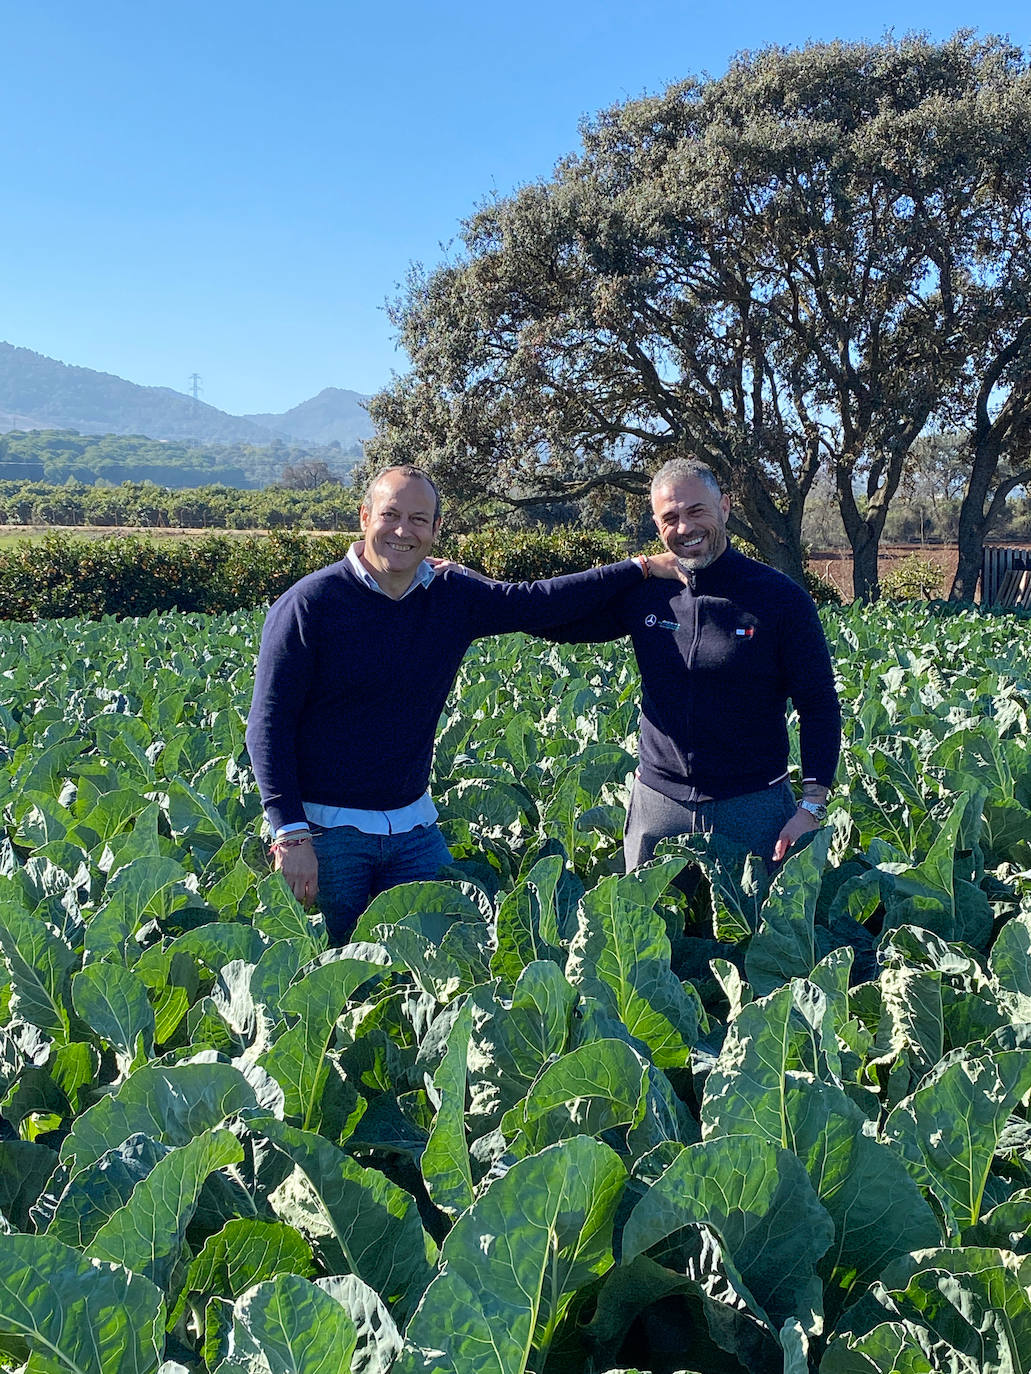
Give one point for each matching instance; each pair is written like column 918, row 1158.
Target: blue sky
column 235, row 189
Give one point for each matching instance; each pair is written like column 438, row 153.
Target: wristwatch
column 815, row 809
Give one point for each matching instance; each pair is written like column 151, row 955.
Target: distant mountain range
column 37, row 392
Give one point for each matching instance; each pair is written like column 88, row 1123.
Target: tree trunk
column 864, row 536
column 866, row 585
column 971, row 545
column 775, row 531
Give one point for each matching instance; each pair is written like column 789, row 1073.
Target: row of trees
column 65, row 456
column 329, row 506
column 803, row 267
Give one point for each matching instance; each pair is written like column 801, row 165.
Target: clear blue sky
column 235, row 189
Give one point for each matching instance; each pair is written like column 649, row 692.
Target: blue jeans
column 355, row 867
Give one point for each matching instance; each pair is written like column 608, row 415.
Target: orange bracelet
column 642, row 558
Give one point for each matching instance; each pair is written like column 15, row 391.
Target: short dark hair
column 406, row 470
column 682, row 469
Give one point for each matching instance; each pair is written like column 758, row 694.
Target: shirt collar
column 423, row 574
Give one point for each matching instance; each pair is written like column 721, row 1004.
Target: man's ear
column 725, row 505
column 363, row 516
column 436, row 528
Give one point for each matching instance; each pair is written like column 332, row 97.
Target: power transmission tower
column 195, row 386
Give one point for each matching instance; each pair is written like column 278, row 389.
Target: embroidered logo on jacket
column 652, row 620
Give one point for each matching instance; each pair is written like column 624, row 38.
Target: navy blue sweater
column 719, row 662
column 350, row 684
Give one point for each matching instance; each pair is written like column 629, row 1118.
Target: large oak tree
column 807, row 261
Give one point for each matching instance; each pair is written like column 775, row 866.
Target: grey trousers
column 755, row 820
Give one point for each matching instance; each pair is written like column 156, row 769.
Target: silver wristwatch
column 815, row 809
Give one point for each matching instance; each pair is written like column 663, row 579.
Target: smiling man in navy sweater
column 720, row 658
column 355, row 666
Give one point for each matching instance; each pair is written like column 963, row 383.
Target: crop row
column 532, row 1117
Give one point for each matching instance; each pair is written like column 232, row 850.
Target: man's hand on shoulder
column 443, row 565
column 664, row 565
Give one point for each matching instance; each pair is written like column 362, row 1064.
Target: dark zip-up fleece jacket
column 350, row 684
column 719, row 661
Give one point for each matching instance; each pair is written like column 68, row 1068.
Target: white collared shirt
column 423, row 575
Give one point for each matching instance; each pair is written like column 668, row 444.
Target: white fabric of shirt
column 402, row 818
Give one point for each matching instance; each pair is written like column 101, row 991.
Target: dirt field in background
column 836, row 564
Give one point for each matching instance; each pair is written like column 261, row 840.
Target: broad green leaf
column 737, row 882
column 101, row 1189
column 947, row 1132
column 877, row 1209
column 235, row 894
column 147, row 1234
column 527, row 923
column 107, row 813
column 965, row 1310
column 146, row 887
column 512, row 1264
column 25, row 1167
column 280, row 916
column 35, row 1095
column 190, row 813
column 1010, row 965
column 512, row 1040
column 784, row 946
column 379, row 1341
column 220, row 942
column 172, row 1105
column 445, row 1160
column 704, row 1273
column 891, row 1348
column 1007, row 1226
column 938, row 867
column 759, row 1200
column 39, row 964
column 276, row 970
column 620, row 954
column 374, row 1222
column 288, row 1324
column 78, row 1315
column 297, row 1061
column 912, row 1006
column 409, row 898
column 445, row 955
column 597, row 1088
column 745, row 1092
column 245, row 1252
column 1007, row 831
column 113, row 1002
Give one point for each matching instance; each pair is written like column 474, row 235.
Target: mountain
column 334, row 414
column 37, row 392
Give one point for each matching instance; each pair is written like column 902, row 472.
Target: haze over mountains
column 37, row 392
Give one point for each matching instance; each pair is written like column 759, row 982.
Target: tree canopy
column 806, row 263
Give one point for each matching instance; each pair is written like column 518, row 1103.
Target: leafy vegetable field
column 524, row 1122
